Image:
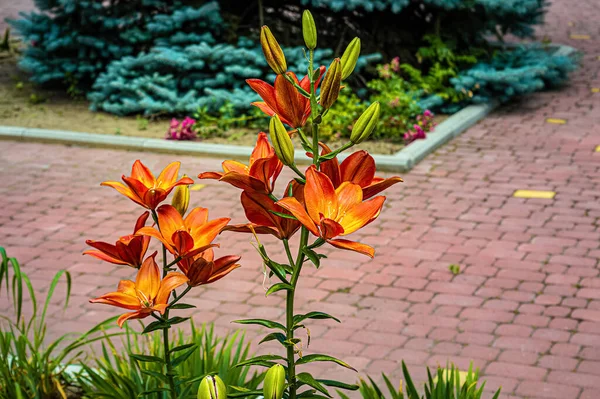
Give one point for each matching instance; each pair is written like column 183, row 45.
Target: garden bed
column 23, row 104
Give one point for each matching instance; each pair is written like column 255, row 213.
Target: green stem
column 167, row 354
column 298, row 171
column 170, row 371
column 296, row 85
column 286, row 244
column 177, row 259
column 314, row 111
column 174, row 301
column 289, row 307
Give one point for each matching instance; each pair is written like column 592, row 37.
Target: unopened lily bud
column 181, row 198
column 365, row 125
column 212, row 387
column 350, row 57
column 274, row 383
column 282, row 143
column 272, row 51
column 309, row 30
column 330, row 88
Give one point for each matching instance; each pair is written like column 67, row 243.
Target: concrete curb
column 401, row 161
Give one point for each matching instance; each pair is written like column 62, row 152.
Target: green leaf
column 181, row 347
column 261, row 322
column 155, row 325
column 307, row 394
column 411, row 391
column 278, row 269
column 329, row 156
column 182, row 306
column 159, row 376
column 314, row 315
column 323, row 358
column 278, row 287
column 183, row 357
column 260, row 360
column 270, row 337
column 313, row 256
column 177, row 320
column 284, row 215
column 338, row 384
column 243, row 394
column 147, row 358
column 157, row 390
column 308, row 379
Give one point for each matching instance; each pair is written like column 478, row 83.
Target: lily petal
column 378, row 185
column 353, row 246
column 135, row 315
column 147, row 280
column 123, row 189
column 118, row 299
column 168, row 284
column 297, row 209
column 362, row 214
column 168, row 176
column 358, row 168
column 140, row 172
column 319, row 195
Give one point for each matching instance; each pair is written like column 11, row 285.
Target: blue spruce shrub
column 516, row 72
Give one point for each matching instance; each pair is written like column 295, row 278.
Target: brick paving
column 525, row 307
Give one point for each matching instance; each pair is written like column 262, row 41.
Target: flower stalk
column 328, row 200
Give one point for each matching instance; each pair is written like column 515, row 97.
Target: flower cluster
column 424, row 124
column 183, row 130
column 323, row 204
column 189, row 240
column 386, row 71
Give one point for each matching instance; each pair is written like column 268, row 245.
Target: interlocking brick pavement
column 525, row 307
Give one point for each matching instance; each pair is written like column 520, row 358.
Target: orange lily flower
column 259, row 212
column 146, row 295
column 358, row 168
column 144, row 189
column 330, row 212
column 129, row 250
column 204, row 269
column 283, row 99
column 260, row 174
column 185, row 237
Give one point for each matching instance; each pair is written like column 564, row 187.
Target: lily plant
column 321, row 206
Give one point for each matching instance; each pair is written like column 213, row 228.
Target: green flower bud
column 272, row 51
column 181, row 198
column 330, row 88
column 274, row 383
column 309, row 30
column 212, row 387
column 282, row 143
column 350, row 57
column 365, row 125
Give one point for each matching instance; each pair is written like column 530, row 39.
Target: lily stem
column 167, row 354
column 289, row 306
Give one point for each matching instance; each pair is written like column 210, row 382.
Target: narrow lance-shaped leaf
column 274, row 336
column 260, row 360
column 278, row 287
column 309, row 380
column 262, row 322
column 314, row 315
column 323, row 358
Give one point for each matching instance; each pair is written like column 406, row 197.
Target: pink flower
column 181, row 131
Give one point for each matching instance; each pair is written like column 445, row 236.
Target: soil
column 24, row 104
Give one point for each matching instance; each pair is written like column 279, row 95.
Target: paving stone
column 525, row 306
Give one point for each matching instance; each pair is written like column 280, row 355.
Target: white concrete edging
column 401, row 161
